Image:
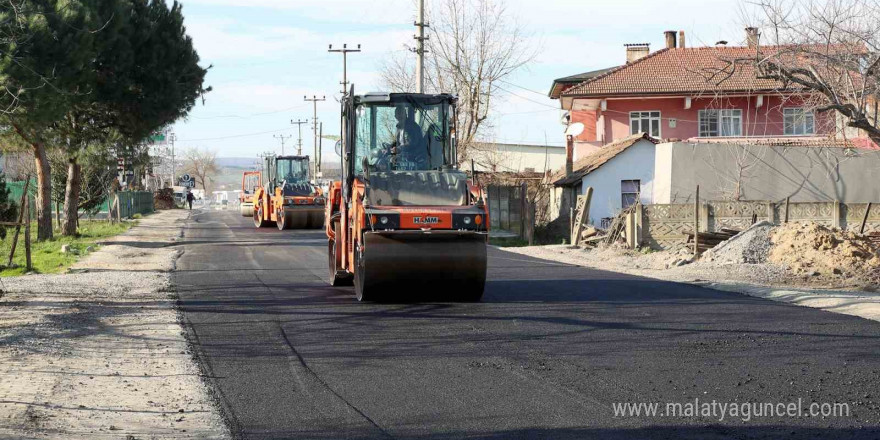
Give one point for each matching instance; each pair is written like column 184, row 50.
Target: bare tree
column 201, row 164
column 829, row 50
column 473, row 45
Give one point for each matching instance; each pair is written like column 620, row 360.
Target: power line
column 250, row 115
column 530, row 100
column 524, row 88
column 234, row 136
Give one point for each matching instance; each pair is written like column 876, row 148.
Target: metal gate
column 506, row 207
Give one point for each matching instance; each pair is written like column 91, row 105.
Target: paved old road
column 545, row 354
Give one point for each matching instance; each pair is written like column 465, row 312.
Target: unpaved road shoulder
column 99, row 353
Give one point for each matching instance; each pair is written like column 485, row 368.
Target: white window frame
column 803, row 122
column 720, row 115
column 636, row 116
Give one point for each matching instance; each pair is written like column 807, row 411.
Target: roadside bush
column 8, row 208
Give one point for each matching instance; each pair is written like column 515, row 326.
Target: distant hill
column 253, row 163
column 231, row 169
column 237, row 162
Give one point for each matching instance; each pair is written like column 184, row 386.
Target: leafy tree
column 202, row 166
column 8, row 208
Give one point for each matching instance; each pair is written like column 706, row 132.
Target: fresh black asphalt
column 544, row 355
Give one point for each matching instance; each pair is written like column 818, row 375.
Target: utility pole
column 299, row 145
column 420, row 48
column 282, row 138
column 315, row 100
column 321, row 141
column 173, row 137
column 344, row 51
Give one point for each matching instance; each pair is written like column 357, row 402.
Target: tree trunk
column 71, row 197
column 44, row 193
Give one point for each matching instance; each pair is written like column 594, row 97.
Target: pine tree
column 8, row 208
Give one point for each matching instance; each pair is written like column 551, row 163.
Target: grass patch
column 46, row 256
column 508, row 242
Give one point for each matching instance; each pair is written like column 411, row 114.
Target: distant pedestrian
column 189, row 199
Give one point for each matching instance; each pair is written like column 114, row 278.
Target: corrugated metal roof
column 559, row 83
column 596, row 159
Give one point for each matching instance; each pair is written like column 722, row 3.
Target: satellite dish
column 338, row 148
column 575, row 129
column 565, row 119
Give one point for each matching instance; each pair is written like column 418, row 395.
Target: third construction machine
column 404, row 222
column 250, row 181
column 288, row 198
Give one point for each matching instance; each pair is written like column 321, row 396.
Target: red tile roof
column 681, row 70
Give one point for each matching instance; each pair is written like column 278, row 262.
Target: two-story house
column 684, row 93
column 631, row 118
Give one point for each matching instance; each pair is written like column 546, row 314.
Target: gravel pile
column 751, row 246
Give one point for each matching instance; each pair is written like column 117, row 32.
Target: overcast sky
column 267, row 54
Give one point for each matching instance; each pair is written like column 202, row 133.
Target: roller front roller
column 416, row 265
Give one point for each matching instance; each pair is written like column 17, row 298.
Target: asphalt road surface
column 547, row 354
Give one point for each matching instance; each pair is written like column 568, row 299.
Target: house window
column 629, row 192
column 647, row 122
column 720, row 122
column 799, row 121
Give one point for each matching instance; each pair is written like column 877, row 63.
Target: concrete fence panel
column 667, row 226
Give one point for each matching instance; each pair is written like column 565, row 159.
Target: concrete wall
column 730, row 172
column 635, row 163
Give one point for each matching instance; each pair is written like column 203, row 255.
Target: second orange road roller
column 288, row 198
column 404, row 222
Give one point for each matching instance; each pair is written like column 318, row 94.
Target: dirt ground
column 99, row 353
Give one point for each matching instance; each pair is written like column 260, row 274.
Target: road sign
column 187, row 181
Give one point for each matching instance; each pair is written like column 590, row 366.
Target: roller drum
column 422, row 266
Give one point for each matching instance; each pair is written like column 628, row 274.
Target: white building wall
column 663, row 173
column 517, row 158
column 635, row 163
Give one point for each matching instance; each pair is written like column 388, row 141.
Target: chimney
column 681, row 39
column 635, row 51
column 569, row 153
column 752, row 36
column 670, row 39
